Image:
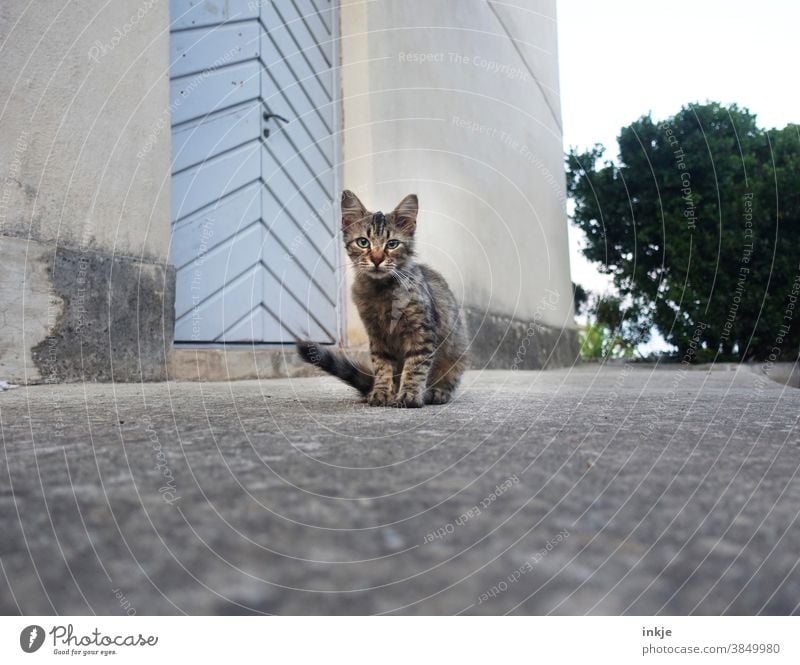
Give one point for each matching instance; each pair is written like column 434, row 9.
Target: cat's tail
column 337, row 364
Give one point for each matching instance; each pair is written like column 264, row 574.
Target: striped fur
column 416, row 332
column 337, row 364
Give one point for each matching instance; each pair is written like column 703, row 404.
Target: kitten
column 417, row 337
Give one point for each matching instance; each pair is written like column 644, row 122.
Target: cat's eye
column 393, row 244
column 363, row 243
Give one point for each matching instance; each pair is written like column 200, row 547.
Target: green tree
column 609, row 331
column 580, row 298
column 698, row 222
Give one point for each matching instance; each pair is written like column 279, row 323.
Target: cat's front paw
column 379, row 397
column 437, row 396
column 408, row 400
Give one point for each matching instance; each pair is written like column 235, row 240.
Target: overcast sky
column 620, row 59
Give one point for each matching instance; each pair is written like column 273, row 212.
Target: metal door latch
column 267, row 117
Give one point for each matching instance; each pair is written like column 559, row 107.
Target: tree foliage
column 608, row 333
column 580, row 298
column 698, row 222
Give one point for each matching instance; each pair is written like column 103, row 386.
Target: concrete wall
column 84, row 190
column 459, row 102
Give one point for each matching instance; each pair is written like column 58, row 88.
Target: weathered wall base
column 29, row 307
column 500, row 342
column 71, row 315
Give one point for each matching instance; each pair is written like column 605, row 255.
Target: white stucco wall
column 437, row 99
column 83, row 93
column 440, row 100
column 84, row 167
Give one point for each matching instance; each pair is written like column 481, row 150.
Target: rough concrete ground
column 588, row 490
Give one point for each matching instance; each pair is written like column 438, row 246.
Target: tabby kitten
column 417, row 338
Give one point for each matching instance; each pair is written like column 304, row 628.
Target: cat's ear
column 352, row 209
column 405, row 213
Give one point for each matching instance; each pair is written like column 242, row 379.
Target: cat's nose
column 377, row 258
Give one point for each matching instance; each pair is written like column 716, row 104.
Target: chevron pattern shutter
column 253, row 226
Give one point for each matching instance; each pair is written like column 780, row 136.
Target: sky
column 620, row 59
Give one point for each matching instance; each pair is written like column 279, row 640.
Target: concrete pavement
column 587, row 490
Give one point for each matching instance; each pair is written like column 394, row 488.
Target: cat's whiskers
column 401, row 278
column 409, row 278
